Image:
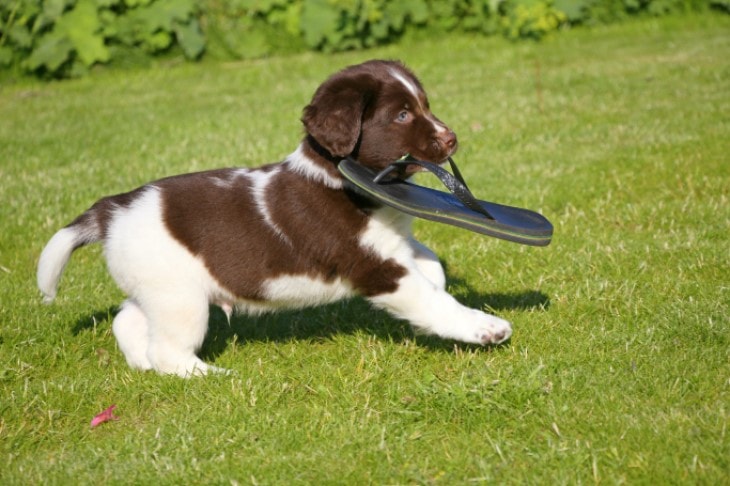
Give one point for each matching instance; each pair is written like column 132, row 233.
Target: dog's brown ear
column 334, row 117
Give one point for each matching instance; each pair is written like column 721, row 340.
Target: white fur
column 408, row 85
column 428, row 263
column 169, row 291
column 53, row 260
column 300, row 163
column 440, row 127
column 260, row 181
column 420, row 297
column 296, row 291
column 131, row 329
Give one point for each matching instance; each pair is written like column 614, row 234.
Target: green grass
column 618, row 370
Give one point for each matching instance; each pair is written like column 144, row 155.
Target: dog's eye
column 403, row 116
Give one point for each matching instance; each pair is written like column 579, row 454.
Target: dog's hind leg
column 178, row 321
column 132, row 332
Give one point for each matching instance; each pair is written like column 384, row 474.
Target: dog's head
column 377, row 112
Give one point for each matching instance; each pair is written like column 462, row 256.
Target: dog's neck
column 321, row 156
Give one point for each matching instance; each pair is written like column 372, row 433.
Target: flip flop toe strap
column 453, row 182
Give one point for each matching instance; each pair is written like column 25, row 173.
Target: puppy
column 285, row 235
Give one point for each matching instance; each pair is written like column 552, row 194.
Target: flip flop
column 457, row 208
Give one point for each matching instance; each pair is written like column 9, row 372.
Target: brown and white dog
column 286, row 235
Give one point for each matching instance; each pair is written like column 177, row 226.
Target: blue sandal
column 457, row 208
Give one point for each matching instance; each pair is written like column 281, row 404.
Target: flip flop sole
column 510, row 223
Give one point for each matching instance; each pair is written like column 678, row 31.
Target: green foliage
column 155, row 25
column 592, row 12
column 333, row 25
column 721, row 5
column 251, row 28
column 513, row 19
column 66, row 37
column 531, row 19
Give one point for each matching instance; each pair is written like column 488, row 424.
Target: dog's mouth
column 439, row 153
column 401, row 170
column 407, row 171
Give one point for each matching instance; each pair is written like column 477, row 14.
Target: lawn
column 618, row 370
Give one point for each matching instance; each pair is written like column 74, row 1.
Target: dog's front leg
column 433, row 311
column 428, row 263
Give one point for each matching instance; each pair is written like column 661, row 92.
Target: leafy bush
column 345, row 24
column 251, row 28
column 593, row 12
column 65, row 37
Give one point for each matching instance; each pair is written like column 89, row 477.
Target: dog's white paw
column 194, row 367
column 487, row 329
column 216, row 370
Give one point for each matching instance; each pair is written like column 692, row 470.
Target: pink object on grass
column 104, row 416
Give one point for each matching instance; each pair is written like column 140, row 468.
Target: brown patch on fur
column 223, row 226
column 324, row 225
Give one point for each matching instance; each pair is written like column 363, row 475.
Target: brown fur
column 213, row 213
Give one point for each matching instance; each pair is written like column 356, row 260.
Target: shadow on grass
column 89, row 322
column 494, row 302
column 324, row 322
column 347, row 317
column 512, row 301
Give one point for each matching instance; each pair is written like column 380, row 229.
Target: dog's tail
column 88, row 228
